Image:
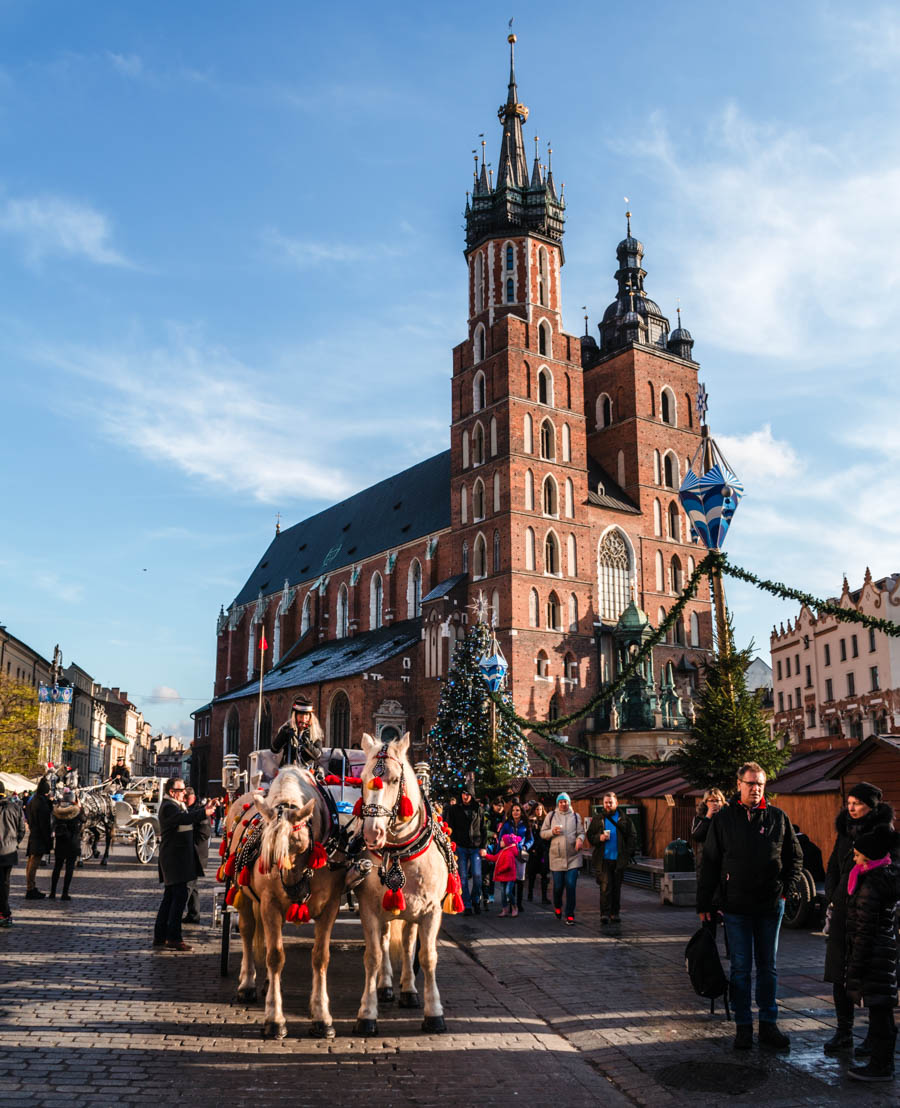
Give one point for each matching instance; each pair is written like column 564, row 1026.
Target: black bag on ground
column 704, row 967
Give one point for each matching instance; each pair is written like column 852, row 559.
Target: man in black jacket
column 467, row 831
column 752, row 858
column 178, row 863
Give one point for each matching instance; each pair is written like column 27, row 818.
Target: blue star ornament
column 710, row 500
column 493, row 668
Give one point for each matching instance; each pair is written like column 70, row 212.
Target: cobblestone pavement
column 91, row 1015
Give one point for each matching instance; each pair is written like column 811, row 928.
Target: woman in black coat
column 873, row 892
column 40, row 836
column 863, row 814
column 68, row 821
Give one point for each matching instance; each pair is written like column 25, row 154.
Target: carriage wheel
column 145, row 842
column 798, row 907
column 88, row 839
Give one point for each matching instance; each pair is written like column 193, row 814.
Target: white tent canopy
column 16, row 783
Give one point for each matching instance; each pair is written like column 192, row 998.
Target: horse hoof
column 366, row 1027
column 434, row 1025
column 319, row 1029
column 409, row 1000
column 273, row 1030
column 386, row 994
column 247, row 996
column 103, row 863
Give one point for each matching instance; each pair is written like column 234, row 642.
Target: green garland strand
column 544, row 728
column 823, row 607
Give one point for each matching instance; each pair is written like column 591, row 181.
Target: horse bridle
column 374, row 811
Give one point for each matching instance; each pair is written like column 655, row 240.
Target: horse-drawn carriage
column 127, row 817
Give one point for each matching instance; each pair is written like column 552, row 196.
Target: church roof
column 336, row 658
column 612, row 495
column 397, row 510
column 444, row 587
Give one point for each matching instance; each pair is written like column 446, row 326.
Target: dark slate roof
column 613, row 497
column 337, row 658
column 444, row 587
column 397, row 510
column 889, row 743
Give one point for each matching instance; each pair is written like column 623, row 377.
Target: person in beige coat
column 564, row 830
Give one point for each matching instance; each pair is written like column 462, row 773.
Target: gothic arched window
column 496, row 552
column 550, row 498
column 677, row 581
column 545, row 387
column 533, row 602
column 478, row 445
column 510, row 256
column 478, row 501
column 548, row 441
column 529, row 548
column 510, row 291
column 306, row 614
column 339, row 720
column 528, row 436
column 551, row 555
column 573, row 618
column 479, row 558
column 414, row 590
column 529, row 491
column 233, row 732
column 478, row 392
column 341, row 622
column 570, row 498
column 670, row 471
column 614, row 572
column 674, row 522
column 376, row 596
column 553, row 623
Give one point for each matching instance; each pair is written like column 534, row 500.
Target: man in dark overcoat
column 178, row 863
column 40, row 836
column 12, row 832
column 202, row 833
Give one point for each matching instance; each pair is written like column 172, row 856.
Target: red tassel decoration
column 357, row 807
column 222, row 849
column 406, row 808
column 244, row 876
column 353, row 782
column 453, row 847
column 229, row 866
column 245, row 807
column 291, row 913
column 230, row 895
column 317, row 856
column 302, row 914
column 220, row 872
column 262, row 868
column 376, row 783
column 394, row 901
column 332, row 779
column 457, row 904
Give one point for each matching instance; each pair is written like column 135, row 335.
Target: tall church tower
column 519, row 460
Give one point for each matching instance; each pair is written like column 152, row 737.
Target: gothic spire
column 513, row 169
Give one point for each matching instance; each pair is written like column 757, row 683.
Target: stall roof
column 850, row 758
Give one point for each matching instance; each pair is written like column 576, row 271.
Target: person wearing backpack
column 752, row 858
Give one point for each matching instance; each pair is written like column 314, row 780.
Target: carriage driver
column 299, row 741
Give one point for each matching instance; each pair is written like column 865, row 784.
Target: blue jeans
column 469, row 861
column 752, row 937
column 508, row 893
column 565, row 878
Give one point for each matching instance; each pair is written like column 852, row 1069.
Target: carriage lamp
column 231, row 773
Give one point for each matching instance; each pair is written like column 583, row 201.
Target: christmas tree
column 729, row 728
column 468, row 737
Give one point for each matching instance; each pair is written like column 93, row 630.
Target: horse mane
column 292, row 787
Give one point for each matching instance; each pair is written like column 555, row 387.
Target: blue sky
column 232, row 275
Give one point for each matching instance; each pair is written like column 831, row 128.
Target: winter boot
column 743, row 1036
column 504, row 911
column 770, row 1036
column 864, row 1050
column 841, row 1040
column 880, row 1066
column 514, row 911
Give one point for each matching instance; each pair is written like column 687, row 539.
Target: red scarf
column 864, row 867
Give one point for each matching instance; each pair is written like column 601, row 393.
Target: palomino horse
column 279, row 864
column 417, row 871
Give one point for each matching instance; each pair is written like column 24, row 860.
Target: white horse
column 286, row 879
column 417, row 872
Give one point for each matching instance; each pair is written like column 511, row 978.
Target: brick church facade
column 557, row 501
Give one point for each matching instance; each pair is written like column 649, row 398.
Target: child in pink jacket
column 505, row 873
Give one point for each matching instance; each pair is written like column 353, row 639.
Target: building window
column 797, row 697
column 551, row 555
column 670, row 471
column 497, row 492
column 695, row 629
column 542, row 276
column 689, row 408
column 463, row 505
column 843, row 650
column 510, row 291
column 790, row 702
column 854, row 646
column 810, row 717
column 657, row 468
column 572, row 551
column 529, row 491
column 533, row 603
column 548, row 441
column 479, row 558
column 479, row 342
column 478, row 445
column 493, row 436
column 809, row 677
column 510, row 257
column 542, row 667
column 528, row 435
column 851, row 684
column 414, row 590
column 478, row 392
column 787, row 666
column 778, row 669
column 667, row 406
column 529, row 548
column 339, row 721
column 545, row 387
column 827, row 650
column 652, row 400
column 341, row 623
column 620, row 468
column 570, row 499
column 495, row 609
column 465, row 557
column 829, row 689
column 566, row 443
column 604, row 410
column 543, row 339
column 550, row 497
column 478, row 501
column 553, row 708
column 573, row 614
column 306, row 614
column 614, row 572
column 781, row 702
column 553, row 612
column 872, row 646
column 479, row 282
column 233, row 732
column 657, row 519
column 873, row 678
column 496, row 552
column 676, row 574
column 674, row 523
column 376, row 595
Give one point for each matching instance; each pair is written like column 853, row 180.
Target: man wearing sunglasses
column 753, row 859
column 178, row 862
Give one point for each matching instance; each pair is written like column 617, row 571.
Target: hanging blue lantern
column 494, row 668
column 710, row 498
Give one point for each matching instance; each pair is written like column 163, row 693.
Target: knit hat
column 510, row 840
column 563, row 796
column 877, row 843
column 866, row 794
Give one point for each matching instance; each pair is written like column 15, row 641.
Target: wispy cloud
column 306, row 254
column 129, row 65
column 54, row 226
column 758, row 456
column 55, row 587
column 199, row 409
column 800, row 241
column 871, row 40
